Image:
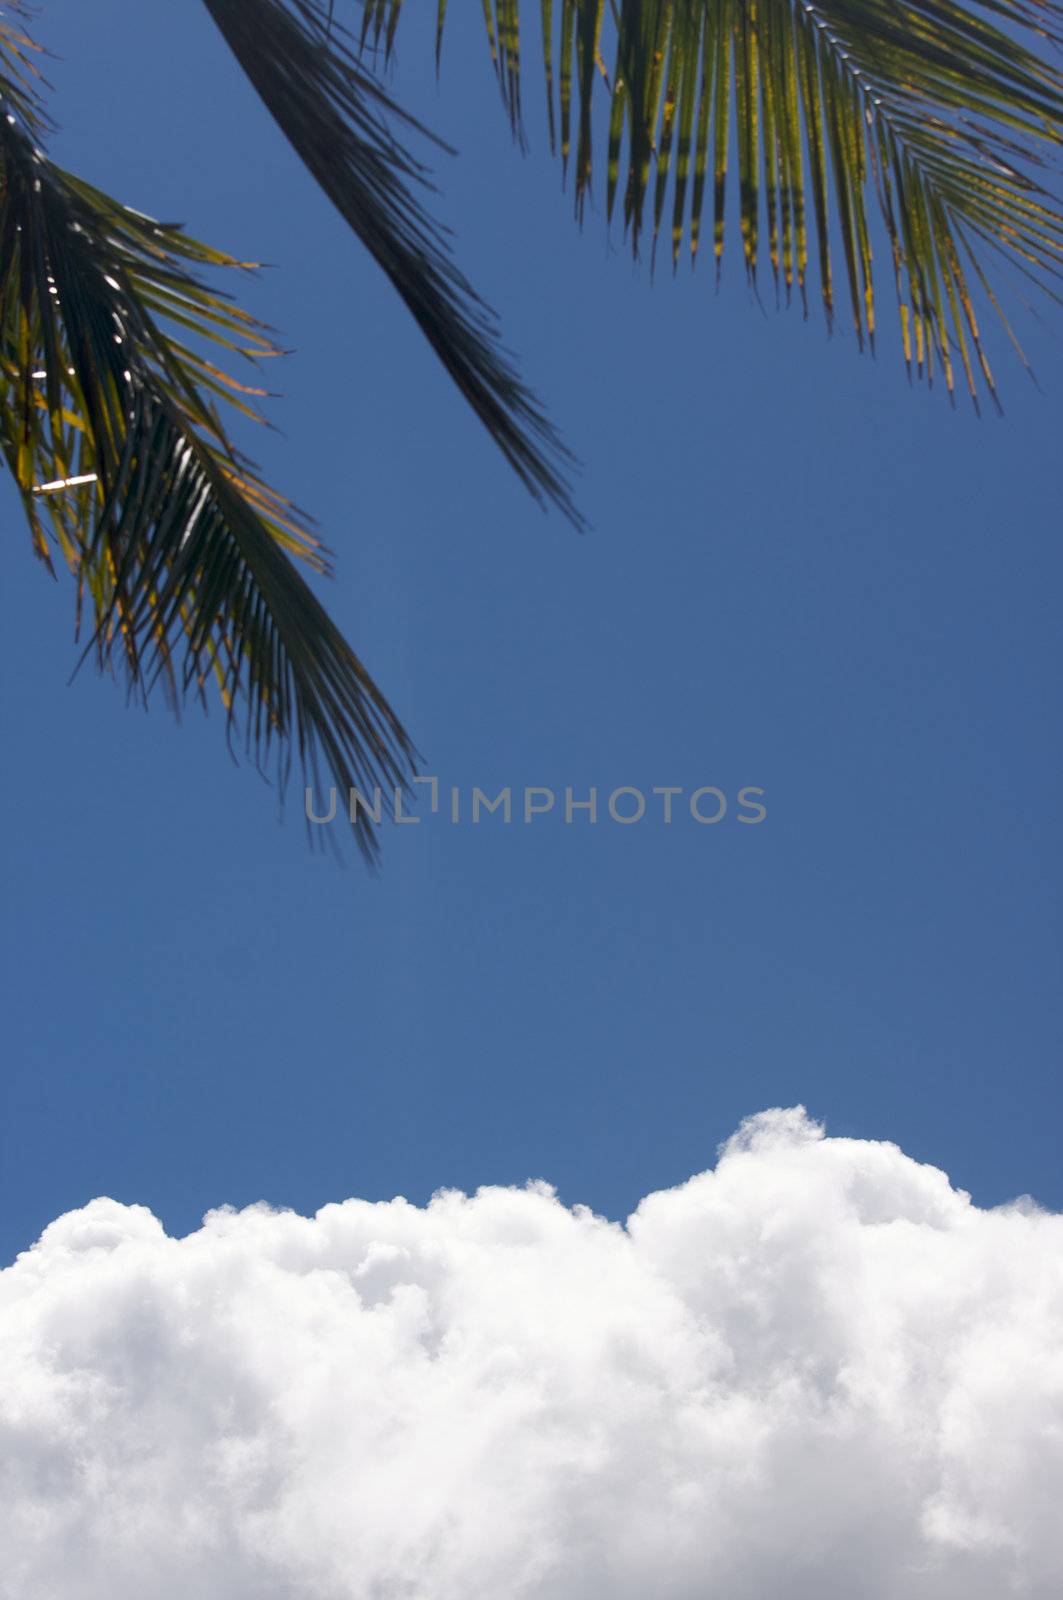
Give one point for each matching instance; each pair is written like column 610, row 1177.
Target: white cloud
column 815, row 1373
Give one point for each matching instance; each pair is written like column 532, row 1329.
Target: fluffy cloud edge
column 813, row 1369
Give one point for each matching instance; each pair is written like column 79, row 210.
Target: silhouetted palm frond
column 109, row 426
column 337, row 117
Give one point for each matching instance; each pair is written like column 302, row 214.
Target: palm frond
column 109, row 426
column 338, row 119
column 934, row 114
column 23, row 81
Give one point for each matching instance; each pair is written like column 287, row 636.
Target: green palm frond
column 23, row 81
column 109, row 426
column 933, row 115
column 338, row 119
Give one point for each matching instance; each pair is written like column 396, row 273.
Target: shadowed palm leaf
column 108, row 426
column 336, row 117
column 933, row 113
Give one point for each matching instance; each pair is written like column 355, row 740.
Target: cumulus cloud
column 815, row 1371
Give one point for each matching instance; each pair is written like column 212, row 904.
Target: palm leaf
column 109, row 426
column 22, row 80
column 934, row 115
column 338, row 119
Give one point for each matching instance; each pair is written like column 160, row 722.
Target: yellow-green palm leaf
column 933, row 117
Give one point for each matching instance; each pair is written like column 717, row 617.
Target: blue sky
column 801, row 575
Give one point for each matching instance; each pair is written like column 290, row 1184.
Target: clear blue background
column 801, row 575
